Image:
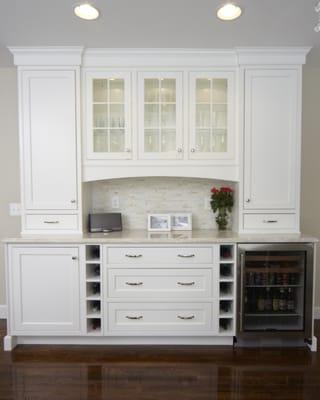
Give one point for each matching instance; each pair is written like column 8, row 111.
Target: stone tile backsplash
column 141, row 196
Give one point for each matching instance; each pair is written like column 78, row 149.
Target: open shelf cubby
column 227, row 289
column 93, row 290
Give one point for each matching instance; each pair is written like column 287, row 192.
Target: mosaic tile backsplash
column 141, row 196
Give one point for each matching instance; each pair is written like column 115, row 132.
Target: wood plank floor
column 154, row 373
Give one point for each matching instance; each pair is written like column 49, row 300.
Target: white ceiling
column 157, row 23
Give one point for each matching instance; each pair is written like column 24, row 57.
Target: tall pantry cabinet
column 49, row 139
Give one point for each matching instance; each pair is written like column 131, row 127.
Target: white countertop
column 143, row 236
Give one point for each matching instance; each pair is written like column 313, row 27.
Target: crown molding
column 52, row 55
column 272, row 55
column 148, row 57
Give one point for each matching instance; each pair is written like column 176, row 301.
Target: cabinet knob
column 73, row 201
column 179, row 149
column 74, row 258
column 248, row 200
column 193, row 150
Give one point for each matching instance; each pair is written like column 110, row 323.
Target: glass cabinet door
column 273, row 290
column 160, row 116
column 211, row 115
column 108, row 111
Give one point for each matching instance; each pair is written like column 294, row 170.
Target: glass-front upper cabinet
column 160, row 115
column 212, row 112
column 108, row 115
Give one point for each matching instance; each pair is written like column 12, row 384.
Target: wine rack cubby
column 227, row 289
column 93, row 289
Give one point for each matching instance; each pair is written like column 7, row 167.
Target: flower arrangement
column 222, row 201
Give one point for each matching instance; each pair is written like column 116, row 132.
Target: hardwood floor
column 154, row 373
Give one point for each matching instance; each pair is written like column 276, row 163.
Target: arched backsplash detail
column 140, row 196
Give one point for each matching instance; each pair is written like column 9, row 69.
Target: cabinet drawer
column 158, row 283
column 52, row 222
column 269, row 221
column 153, row 318
column 160, row 255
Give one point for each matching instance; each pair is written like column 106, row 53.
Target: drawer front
column 153, row 318
column 52, row 222
column 158, row 283
column 269, row 221
column 160, row 255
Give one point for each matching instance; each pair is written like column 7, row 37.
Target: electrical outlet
column 14, row 209
column 206, row 203
column 115, row 201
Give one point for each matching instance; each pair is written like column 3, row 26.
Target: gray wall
column 9, row 167
column 9, row 161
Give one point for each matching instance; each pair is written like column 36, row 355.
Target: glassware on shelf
column 159, row 115
column 108, row 113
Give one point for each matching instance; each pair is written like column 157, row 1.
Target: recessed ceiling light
column 86, row 11
column 229, row 12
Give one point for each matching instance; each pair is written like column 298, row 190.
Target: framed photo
column 159, row 222
column 181, row 222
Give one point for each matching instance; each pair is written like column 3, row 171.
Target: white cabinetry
column 160, row 115
column 107, row 112
column 49, row 142
column 212, row 115
column 270, row 190
column 271, row 137
column 44, row 291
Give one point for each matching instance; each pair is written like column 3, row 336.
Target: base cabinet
column 95, row 292
column 44, row 291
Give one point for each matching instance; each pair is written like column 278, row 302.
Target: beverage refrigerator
column 275, row 291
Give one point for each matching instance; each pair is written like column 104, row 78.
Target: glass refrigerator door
column 273, row 290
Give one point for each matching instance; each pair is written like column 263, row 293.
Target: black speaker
column 105, row 222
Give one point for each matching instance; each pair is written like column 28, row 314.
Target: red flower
column 214, row 190
column 226, row 190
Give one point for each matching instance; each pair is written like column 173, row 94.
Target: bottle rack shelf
column 227, row 290
column 93, row 289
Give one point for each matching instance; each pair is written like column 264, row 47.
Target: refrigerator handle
column 241, row 290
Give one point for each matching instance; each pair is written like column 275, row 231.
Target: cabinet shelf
column 94, row 297
column 273, row 286
column 280, row 270
column 275, row 314
column 266, row 258
column 93, row 261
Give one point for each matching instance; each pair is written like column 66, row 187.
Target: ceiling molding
column 51, row 55
column 272, row 55
column 146, row 57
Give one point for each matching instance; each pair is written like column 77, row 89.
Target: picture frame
column 181, row 222
column 159, row 222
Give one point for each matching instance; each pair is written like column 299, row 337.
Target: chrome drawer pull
column 133, row 255
column 134, row 283
column 128, row 317
column 181, row 317
column 270, row 221
column 186, row 256
column 186, row 283
column 51, row 222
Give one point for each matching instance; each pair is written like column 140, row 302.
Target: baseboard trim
column 3, row 311
column 316, row 314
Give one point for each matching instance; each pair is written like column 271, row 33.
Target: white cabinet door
column 44, row 290
column 212, row 115
column 271, row 165
column 160, row 115
column 48, row 105
column 108, row 117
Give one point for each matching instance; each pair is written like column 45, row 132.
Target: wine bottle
column 275, row 301
column 290, row 301
column 261, row 302
column 282, row 301
column 268, row 301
